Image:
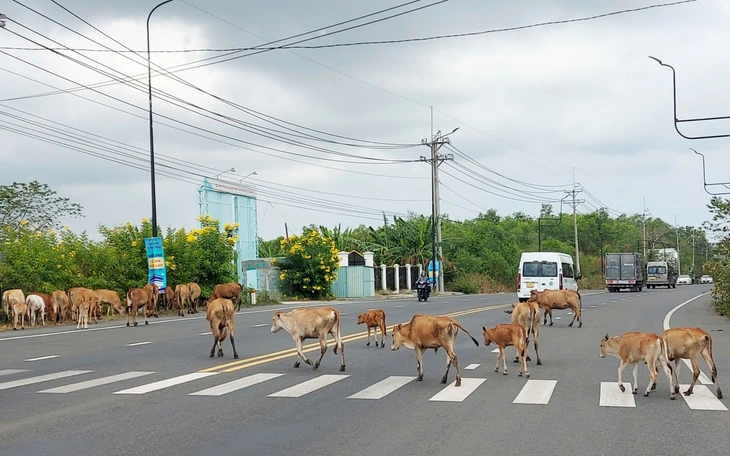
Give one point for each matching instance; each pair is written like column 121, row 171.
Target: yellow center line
column 275, row 356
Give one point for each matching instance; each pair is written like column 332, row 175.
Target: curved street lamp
column 254, row 173
column 233, row 170
column 152, row 142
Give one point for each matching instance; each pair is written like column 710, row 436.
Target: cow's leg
column 550, row 311
column 535, row 335
column 78, row 323
column 621, row 368
column 544, row 322
column 524, row 364
column 375, row 335
column 215, row 342
column 713, row 369
column 635, row 388
column 419, row 360
column 233, row 344
column 298, row 343
column 368, row 344
column 575, row 315
column 322, row 349
column 449, row 360
column 695, row 376
column 129, row 313
column 652, row 377
column 382, row 333
column 146, row 306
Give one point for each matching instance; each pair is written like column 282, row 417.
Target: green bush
column 720, row 272
column 309, row 266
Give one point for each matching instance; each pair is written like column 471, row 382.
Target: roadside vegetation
column 719, row 267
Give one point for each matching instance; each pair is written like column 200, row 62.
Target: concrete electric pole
column 575, row 222
column 435, row 160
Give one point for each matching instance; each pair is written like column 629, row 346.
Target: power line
column 405, row 40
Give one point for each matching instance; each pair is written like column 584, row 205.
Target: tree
column 34, row 205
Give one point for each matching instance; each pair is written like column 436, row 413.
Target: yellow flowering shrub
column 309, row 265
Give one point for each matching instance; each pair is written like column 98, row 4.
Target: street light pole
column 152, row 142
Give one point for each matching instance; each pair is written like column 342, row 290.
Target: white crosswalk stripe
column 310, row 385
column 382, row 388
column 453, row 394
column 701, row 398
column 704, row 379
column 235, row 385
column 11, row 371
column 42, row 378
column 92, row 383
column 536, row 392
column 473, row 366
column 611, row 395
column 144, row 389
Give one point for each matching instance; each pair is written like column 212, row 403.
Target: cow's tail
column 708, row 345
column 527, row 341
column 665, row 354
column 338, row 335
column 463, row 329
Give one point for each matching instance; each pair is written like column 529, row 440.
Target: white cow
column 35, row 305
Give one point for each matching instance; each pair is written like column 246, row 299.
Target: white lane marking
column 702, row 398
column 397, row 307
column 474, row 366
column 382, row 388
column 702, row 378
column 137, row 344
column 593, row 306
column 536, row 392
column 341, row 313
column 42, row 378
column 262, row 324
column 92, row 383
column 310, row 385
column 669, row 314
column 11, row 371
column 235, row 385
column 623, row 299
column 484, row 298
column 603, row 303
column 205, row 334
column 570, row 313
column 464, row 300
column 453, row 394
column 558, row 318
column 496, row 350
column 445, row 302
column 613, row 301
column 611, row 395
column 424, row 303
column 42, row 358
column 144, row 389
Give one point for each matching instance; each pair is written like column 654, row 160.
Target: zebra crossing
column 532, row 392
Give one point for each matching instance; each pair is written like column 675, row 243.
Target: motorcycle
column 424, row 290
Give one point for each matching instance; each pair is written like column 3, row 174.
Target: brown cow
column 80, row 294
column 311, row 323
column 60, row 305
column 687, row 343
column 170, row 297
column 374, row 319
column 219, row 314
column 559, row 299
column 230, row 291
column 505, row 335
column 194, row 292
column 84, row 309
column 153, row 294
column 47, row 302
column 634, row 347
column 528, row 315
column 112, row 300
column 427, row 331
column 136, row 298
column 182, row 296
column 14, row 301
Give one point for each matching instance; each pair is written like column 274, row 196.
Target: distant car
column 705, row 279
column 684, row 280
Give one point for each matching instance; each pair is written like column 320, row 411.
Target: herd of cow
column 423, row 332
column 79, row 303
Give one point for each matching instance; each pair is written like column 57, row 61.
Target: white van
column 545, row 271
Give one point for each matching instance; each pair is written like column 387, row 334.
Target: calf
column 35, row 305
column 311, row 323
column 153, row 294
column 634, row 347
column 111, row 299
column 374, row 319
column 687, row 343
column 230, row 291
column 559, row 299
column 77, row 295
column 527, row 314
column 84, row 309
column 427, row 331
column 194, row 293
column 47, row 303
column 182, row 296
column 505, row 335
column 60, row 305
column 219, row 314
column 14, row 301
column 136, row 298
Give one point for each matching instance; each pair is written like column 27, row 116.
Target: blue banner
column 156, row 263
column 430, row 272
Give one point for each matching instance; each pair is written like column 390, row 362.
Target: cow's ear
column 606, row 337
column 484, row 329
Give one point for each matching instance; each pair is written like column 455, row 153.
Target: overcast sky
column 534, row 105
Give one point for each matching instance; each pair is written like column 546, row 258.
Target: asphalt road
column 113, row 390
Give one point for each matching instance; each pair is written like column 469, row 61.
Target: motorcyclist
column 423, row 279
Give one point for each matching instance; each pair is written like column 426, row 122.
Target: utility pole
column 575, row 221
column 435, row 160
column 694, row 266
column 643, row 222
column 679, row 264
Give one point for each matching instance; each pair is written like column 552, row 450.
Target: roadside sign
column 157, row 273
